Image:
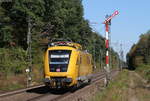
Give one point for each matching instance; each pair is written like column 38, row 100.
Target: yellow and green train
column 67, row 65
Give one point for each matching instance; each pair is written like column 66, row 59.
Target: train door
column 78, row 64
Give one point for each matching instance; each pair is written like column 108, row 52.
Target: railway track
column 49, row 97
column 41, row 93
column 18, row 91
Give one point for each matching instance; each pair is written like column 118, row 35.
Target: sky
column 132, row 21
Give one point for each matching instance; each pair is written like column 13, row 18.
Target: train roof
column 66, row 43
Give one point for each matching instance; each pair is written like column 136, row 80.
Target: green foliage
column 49, row 19
column 12, row 61
column 139, row 56
column 6, row 34
column 144, row 70
column 140, row 52
column 17, row 16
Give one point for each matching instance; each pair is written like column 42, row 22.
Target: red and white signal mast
column 107, row 23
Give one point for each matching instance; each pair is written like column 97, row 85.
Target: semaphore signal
column 107, row 23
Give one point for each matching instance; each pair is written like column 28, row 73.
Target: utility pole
column 107, row 23
column 100, row 58
column 29, row 69
column 94, row 56
column 121, row 57
column 117, row 48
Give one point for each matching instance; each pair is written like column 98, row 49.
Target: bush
column 144, row 70
column 12, row 60
column 147, row 75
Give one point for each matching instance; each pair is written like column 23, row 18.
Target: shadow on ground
column 46, row 90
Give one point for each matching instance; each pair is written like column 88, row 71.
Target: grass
column 115, row 89
column 144, row 71
column 12, row 68
column 125, row 87
column 12, row 82
column 11, row 87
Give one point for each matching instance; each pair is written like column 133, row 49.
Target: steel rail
column 19, row 91
column 96, row 77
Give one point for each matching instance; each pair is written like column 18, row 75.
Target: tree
column 139, row 53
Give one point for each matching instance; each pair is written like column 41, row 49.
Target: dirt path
column 132, row 91
column 137, row 90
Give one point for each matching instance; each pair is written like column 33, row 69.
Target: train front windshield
column 59, row 60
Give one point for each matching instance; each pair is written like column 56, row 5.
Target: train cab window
column 59, row 60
